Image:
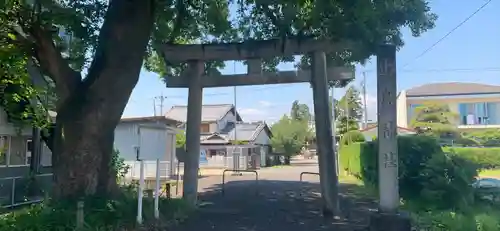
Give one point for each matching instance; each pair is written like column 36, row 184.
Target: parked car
column 488, row 189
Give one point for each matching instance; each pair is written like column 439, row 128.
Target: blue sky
column 470, row 54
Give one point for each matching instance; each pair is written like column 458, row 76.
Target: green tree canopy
column 93, row 52
column 350, row 104
column 300, row 112
column 346, row 124
column 289, row 136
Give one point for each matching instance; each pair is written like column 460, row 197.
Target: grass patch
column 280, row 166
column 491, row 173
column 349, row 179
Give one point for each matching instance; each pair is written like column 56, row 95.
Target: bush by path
column 427, row 176
column 486, row 158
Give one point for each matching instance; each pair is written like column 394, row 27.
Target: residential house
column 222, row 129
column 16, row 148
column 477, row 105
column 214, row 117
column 253, row 137
column 15, row 157
column 147, row 139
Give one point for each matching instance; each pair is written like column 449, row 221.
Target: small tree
column 289, row 136
column 436, row 120
column 346, row 124
column 350, row 104
column 300, row 111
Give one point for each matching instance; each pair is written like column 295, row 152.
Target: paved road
column 278, row 202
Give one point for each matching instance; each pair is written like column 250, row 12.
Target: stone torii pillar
column 326, row 152
column 388, row 217
column 192, row 159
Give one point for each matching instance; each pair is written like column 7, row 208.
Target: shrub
column 486, row 158
column 118, row 165
column 480, row 219
column 426, row 173
column 465, row 141
column 349, row 158
column 352, row 137
column 100, row 214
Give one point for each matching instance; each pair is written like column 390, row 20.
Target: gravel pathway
column 278, row 202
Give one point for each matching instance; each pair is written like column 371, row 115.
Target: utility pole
column 346, row 109
column 334, row 126
column 365, row 111
column 161, row 98
column 334, row 132
column 154, row 106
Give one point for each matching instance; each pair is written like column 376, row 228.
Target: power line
column 365, row 110
column 479, row 69
column 449, row 33
column 161, row 98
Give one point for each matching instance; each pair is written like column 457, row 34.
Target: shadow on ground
column 275, row 205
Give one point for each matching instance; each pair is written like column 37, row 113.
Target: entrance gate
column 318, row 75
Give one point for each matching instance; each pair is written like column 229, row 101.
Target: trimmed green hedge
column 352, row 137
column 486, row 158
column 427, row 176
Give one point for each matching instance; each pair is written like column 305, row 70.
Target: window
column 29, row 151
column 14, row 151
column 18, row 151
column 205, row 128
column 4, row 149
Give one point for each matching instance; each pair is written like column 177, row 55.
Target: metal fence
column 226, row 162
column 167, row 169
column 16, row 191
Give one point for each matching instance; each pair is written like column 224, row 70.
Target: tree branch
column 51, row 62
column 118, row 59
column 181, row 13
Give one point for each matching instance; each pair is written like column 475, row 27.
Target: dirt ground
column 278, row 201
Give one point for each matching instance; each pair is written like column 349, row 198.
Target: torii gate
column 319, row 75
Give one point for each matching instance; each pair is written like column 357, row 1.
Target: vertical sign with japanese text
column 387, row 128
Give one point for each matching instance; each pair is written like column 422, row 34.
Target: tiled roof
column 167, row 121
column 209, row 113
column 452, row 88
column 244, row 132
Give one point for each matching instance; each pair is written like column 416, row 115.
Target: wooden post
column 168, row 190
column 149, row 194
column 79, row 215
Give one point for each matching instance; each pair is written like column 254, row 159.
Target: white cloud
column 251, row 111
column 264, row 103
column 256, row 114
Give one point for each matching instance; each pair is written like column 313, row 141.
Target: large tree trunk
column 90, row 109
column 83, row 150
